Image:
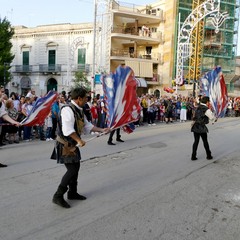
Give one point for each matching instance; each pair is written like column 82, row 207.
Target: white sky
column 31, row 13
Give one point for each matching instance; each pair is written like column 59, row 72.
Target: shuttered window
column 81, row 55
column 25, row 58
column 134, row 66
column 146, row 69
column 51, row 57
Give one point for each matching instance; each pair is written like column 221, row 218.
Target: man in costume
column 202, row 116
column 72, row 122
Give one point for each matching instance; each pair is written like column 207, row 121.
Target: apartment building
column 146, row 39
column 141, row 37
column 46, row 57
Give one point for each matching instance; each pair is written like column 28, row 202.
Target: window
column 149, row 50
column 82, row 56
column 51, row 57
column 51, row 60
column 25, row 58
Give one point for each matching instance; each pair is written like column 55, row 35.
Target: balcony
column 49, row 68
column 139, row 35
column 121, row 54
column 22, row 68
column 81, row 68
column 142, row 13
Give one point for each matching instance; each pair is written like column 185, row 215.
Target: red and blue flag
column 213, row 86
column 40, row 110
column 121, row 98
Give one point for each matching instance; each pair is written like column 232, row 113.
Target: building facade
column 146, row 39
column 142, row 37
column 46, row 57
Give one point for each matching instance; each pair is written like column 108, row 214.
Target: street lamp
column 5, row 64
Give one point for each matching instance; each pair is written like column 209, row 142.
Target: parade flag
column 213, row 86
column 129, row 128
column 120, row 97
column 40, row 110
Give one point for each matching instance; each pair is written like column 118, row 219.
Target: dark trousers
column 54, row 127
column 112, row 133
column 151, row 117
column 145, row 114
column 71, row 176
column 196, row 141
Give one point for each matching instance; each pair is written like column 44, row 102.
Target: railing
column 49, row 68
column 23, row 68
column 82, row 68
column 144, row 10
column 121, row 53
column 127, row 30
column 157, row 57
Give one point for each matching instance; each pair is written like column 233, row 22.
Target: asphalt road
column 144, row 188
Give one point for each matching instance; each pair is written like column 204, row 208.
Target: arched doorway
column 157, row 93
column 25, row 85
column 52, row 84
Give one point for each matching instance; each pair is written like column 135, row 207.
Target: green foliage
column 6, row 57
column 81, row 80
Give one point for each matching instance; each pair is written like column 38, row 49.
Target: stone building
column 46, row 57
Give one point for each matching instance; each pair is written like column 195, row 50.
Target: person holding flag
column 118, row 137
column 202, row 116
column 71, row 123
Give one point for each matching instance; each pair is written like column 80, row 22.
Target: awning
column 141, row 82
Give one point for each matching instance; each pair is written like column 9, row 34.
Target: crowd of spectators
column 166, row 109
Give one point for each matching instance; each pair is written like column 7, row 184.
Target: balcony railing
column 49, row 68
column 156, row 57
column 82, row 68
column 23, row 68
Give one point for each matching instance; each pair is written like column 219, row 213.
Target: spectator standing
column 11, row 129
column 26, row 109
column 48, row 124
column 94, row 113
column 55, row 112
column 4, row 115
column 87, row 109
column 183, row 112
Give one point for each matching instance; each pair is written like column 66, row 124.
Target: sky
column 31, row 13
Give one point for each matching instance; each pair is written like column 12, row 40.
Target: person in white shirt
column 72, row 122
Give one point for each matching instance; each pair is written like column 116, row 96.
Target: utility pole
column 94, row 45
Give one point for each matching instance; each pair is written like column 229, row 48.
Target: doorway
column 52, row 85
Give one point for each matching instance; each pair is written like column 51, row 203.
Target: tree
column 6, row 57
column 81, row 80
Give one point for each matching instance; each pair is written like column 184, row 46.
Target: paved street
column 146, row 188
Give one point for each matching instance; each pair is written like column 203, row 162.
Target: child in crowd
column 94, row 113
column 48, row 124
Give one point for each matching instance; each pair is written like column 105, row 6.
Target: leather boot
column 58, row 197
column 72, row 193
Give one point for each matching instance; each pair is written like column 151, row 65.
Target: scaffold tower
column 197, row 38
